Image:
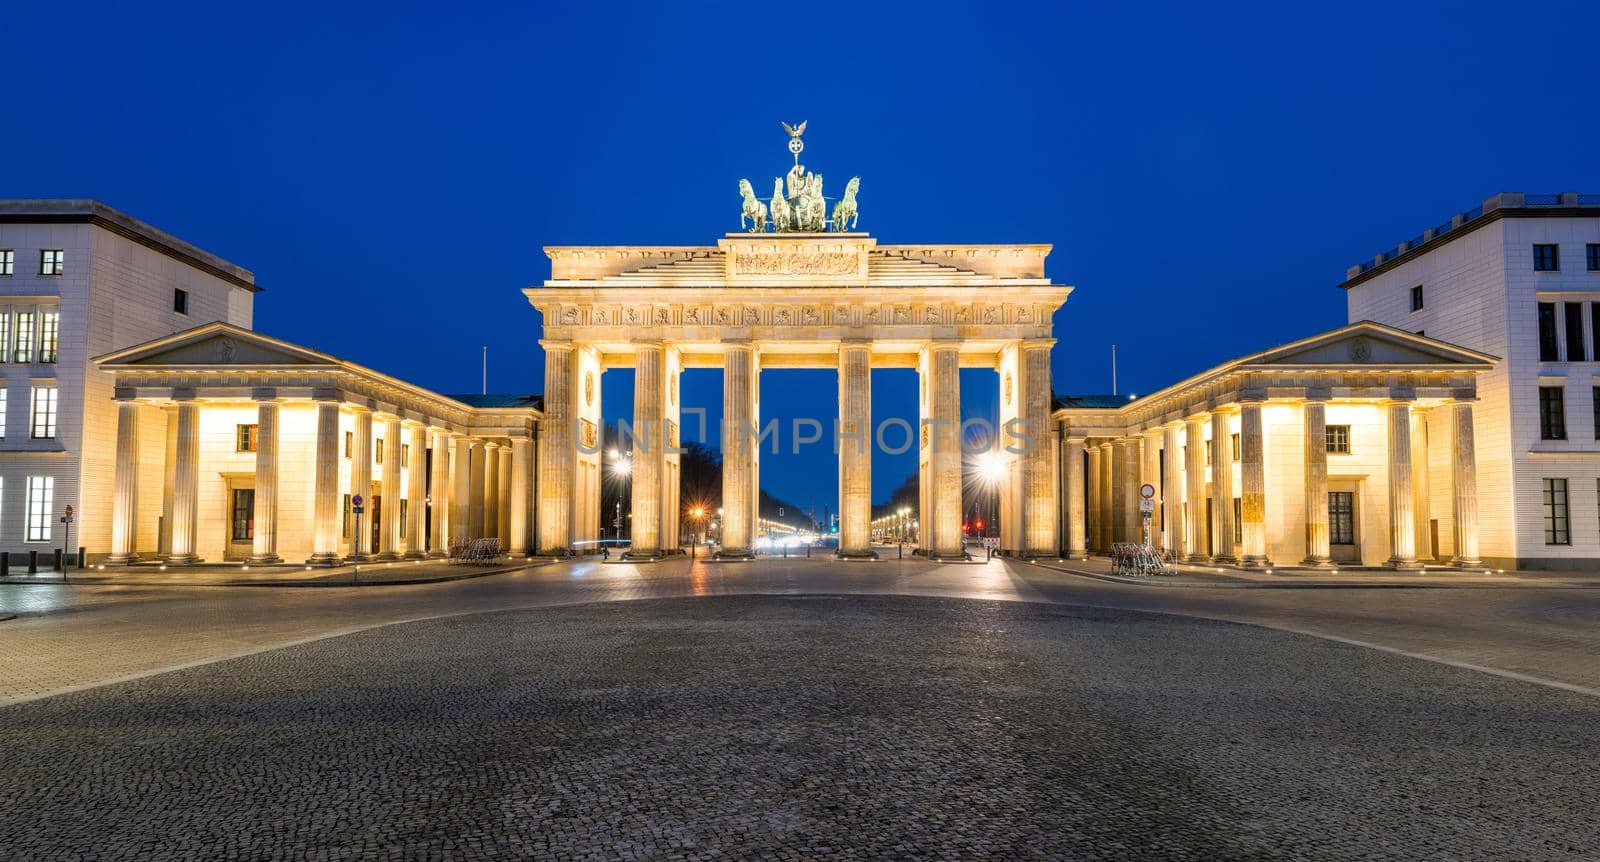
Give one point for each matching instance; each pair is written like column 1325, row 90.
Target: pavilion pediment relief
column 1369, row 345
column 224, row 347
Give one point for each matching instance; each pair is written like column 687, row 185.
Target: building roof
column 500, row 401
column 86, row 211
column 1503, row 205
column 1093, row 402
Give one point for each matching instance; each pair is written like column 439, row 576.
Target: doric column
column 325, row 495
column 461, row 491
column 169, row 481
column 1150, row 472
column 265, row 549
column 942, row 364
column 1419, row 485
column 1464, row 471
column 1110, row 520
column 477, row 462
column 1126, row 493
column 1097, row 518
column 1316, row 445
column 125, row 499
column 1402, row 518
column 491, row 491
column 521, row 462
column 1222, row 488
column 558, row 450
column 416, row 490
column 1252, row 485
column 1172, row 488
column 186, row 485
column 1039, row 499
column 503, row 528
column 740, row 385
column 1072, row 470
column 441, row 486
column 361, row 481
column 1194, row 463
column 855, row 449
column 649, row 457
column 389, row 529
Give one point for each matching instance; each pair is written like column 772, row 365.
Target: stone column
column 1150, row 472
column 1316, row 445
column 265, row 549
column 361, row 482
column 943, row 523
column 1464, row 471
column 1252, row 485
column 1222, row 488
column 1419, row 485
column 325, row 495
column 1171, row 489
column 125, row 496
column 1402, row 518
column 491, row 491
column 855, row 449
column 740, row 386
column 1039, row 500
column 1110, row 520
column 389, row 529
column 1097, row 518
column 477, row 484
column 1126, row 492
column 439, row 480
column 1194, row 462
column 649, row 457
column 169, row 481
column 558, row 451
column 503, row 527
column 521, row 461
column 461, row 491
column 186, row 486
column 1072, row 469
column 416, row 491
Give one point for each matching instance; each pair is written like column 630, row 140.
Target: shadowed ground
column 820, row 727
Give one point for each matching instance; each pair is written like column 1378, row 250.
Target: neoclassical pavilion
column 1354, row 446
column 792, row 300
column 235, row 445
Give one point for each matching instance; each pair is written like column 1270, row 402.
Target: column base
column 950, row 558
column 436, row 555
column 857, row 555
column 182, row 559
column 323, row 560
column 1197, row 558
column 1400, row 565
column 734, row 554
column 1318, row 562
column 1458, row 562
column 265, row 558
column 386, row 556
column 414, row 555
column 1225, row 560
column 644, row 556
column 122, row 559
column 1255, row 562
column 359, row 558
column 553, row 553
column 1078, row 552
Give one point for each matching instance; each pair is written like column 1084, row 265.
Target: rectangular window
column 347, row 516
column 44, row 413
column 1416, row 298
column 1591, row 253
column 1238, row 522
column 349, row 442
column 3, row 395
column 244, row 514
column 5, row 332
column 1341, row 517
column 1552, row 413
column 8, row 261
column 405, row 457
column 1549, row 349
column 1338, row 439
column 52, row 261
column 378, row 448
column 41, row 497
column 49, row 333
column 1546, row 257
column 1596, row 413
column 1594, row 329
column 180, row 300
column 24, row 351
column 1236, row 447
column 403, row 512
column 247, row 438
column 1557, row 527
column 1573, row 312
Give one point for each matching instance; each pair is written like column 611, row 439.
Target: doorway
column 241, row 523
column 1343, row 544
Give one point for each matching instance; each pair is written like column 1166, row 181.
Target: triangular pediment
column 216, row 344
column 1368, row 343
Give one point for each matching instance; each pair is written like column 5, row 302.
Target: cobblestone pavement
column 807, row 727
column 69, row 637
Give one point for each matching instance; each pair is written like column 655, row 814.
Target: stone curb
column 1168, row 582
column 299, row 583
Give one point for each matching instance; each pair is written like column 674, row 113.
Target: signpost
column 66, row 518
column 1147, row 507
column 355, row 509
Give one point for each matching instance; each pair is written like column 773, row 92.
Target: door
column 1342, row 527
column 241, row 521
column 375, row 510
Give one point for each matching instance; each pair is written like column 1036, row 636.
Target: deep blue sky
column 1205, row 171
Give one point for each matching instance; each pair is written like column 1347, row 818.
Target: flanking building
column 1517, row 277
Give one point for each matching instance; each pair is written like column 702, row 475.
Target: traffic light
column 980, row 525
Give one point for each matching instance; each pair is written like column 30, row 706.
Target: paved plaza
column 799, row 709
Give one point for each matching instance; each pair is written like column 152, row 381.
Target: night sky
column 1206, row 172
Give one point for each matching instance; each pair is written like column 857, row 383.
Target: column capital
column 358, row 409
column 1037, row 343
column 1399, row 395
column 1173, row 424
column 556, row 344
column 185, row 394
column 490, row 445
column 125, row 394
column 266, row 393
column 1253, row 397
column 327, row 395
column 1462, row 396
column 1318, row 394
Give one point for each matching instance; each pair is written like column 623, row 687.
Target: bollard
column 33, row 562
column 83, row 556
column 57, row 553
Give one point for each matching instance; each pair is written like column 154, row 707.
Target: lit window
column 1238, row 521
column 180, row 300
column 41, row 496
column 1557, row 526
column 44, row 413
column 1236, row 447
column 349, row 442
column 49, row 334
column 244, row 514
column 24, row 351
column 3, row 394
column 8, row 261
column 1338, row 437
column 52, row 261
column 378, row 448
column 405, row 454
column 1546, row 257
column 247, row 438
column 345, row 532
column 1552, row 413
column 5, row 333
column 1416, row 298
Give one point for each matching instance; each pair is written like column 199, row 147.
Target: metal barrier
column 478, row 551
column 1128, row 558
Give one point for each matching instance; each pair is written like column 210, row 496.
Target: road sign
column 1147, row 491
column 68, row 512
column 356, row 500
column 991, row 542
column 1147, row 506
